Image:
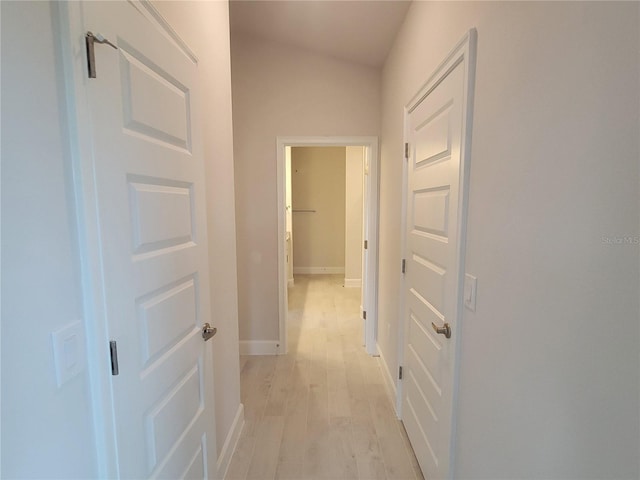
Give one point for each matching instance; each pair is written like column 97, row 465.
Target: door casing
column 370, row 283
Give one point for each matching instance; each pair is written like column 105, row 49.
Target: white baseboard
column 230, row 443
column 318, row 270
column 290, row 282
column 389, row 381
column 352, row 282
column 259, row 347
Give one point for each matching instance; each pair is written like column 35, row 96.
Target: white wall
column 205, row 28
column 354, row 184
column 318, row 183
column 46, row 430
column 283, row 91
column 549, row 365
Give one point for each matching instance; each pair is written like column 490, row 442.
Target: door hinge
column 113, row 349
column 404, row 265
column 406, row 151
column 364, row 314
column 90, row 40
column 366, row 244
column 400, row 373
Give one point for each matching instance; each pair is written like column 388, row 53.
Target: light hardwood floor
column 321, row 411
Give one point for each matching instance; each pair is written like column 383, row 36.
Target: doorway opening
column 368, row 250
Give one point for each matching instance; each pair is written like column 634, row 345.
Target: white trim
column 81, row 146
column 259, row 347
column 370, row 255
column 464, row 52
column 389, row 382
column 400, row 340
column 466, row 48
column 290, row 282
column 352, row 282
column 318, row 270
column 370, row 285
column 230, row 443
column 149, row 10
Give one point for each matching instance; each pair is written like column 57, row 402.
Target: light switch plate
column 68, row 352
column 470, row 287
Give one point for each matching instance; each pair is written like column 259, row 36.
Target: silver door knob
column 443, row 330
column 208, row 331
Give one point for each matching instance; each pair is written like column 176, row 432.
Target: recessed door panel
column 187, row 460
column 420, row 441
column 173, row 414
column 428, row 351
column 430, row 391
column 433, row 138
column 435, row 245
column 167, row 316
column 424, row 417
column 429, row 281
column 431, row 211
column 196, row 470
column 161, row 215
column 155, row 104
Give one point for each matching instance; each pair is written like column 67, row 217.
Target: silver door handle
column 443, row 330
column 208, row 331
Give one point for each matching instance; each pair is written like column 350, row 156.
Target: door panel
column 426, row 347
column 166, row 317
column 154, row 103
column 149, row 181
column 430, row 279
column 160, row 214
column 433, row 251
column 431, row 211
column 433, row 138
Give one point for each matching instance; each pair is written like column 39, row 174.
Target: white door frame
column 370, row 283
column 72, row 47
column 464, row 52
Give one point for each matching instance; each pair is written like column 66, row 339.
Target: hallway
column 321, row 411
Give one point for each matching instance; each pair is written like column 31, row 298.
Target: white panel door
column 149, row 185
column 435, row 218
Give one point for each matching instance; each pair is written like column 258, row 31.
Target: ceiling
column 358, row 31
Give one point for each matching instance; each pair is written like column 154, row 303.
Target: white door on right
column 437, row 126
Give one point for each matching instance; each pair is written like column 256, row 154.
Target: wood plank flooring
column 321, row 411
